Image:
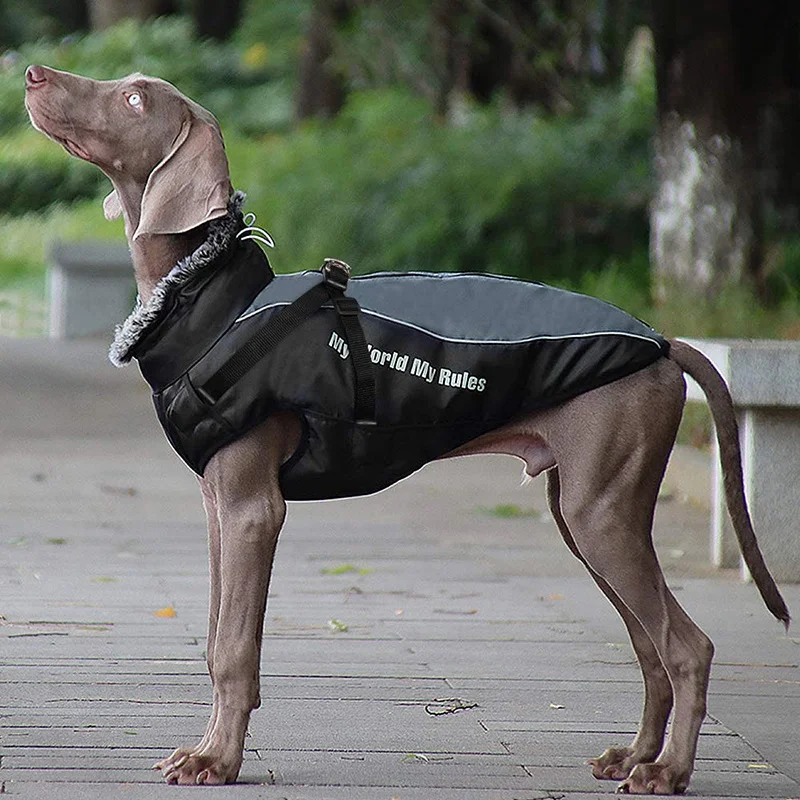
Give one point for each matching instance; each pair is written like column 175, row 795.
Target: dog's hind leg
column 632, row 572
column 616, row 763
column 611, row 447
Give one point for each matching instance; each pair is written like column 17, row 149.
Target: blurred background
column 645, row 151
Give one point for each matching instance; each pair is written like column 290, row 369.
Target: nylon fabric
column 452, row 357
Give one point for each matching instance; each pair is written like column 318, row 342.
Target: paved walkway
column 431, row 643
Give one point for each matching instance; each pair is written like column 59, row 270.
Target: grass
column 509, row 511
column 735, row 313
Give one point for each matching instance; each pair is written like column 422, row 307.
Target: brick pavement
column 478, row 662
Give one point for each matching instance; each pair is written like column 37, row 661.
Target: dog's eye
column 134, row 100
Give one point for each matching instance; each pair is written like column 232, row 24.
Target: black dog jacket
column 386, row 371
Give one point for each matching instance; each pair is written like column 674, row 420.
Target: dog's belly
column 511, row 440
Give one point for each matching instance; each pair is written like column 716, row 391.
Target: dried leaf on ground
column 345, row 569
column 449, row 705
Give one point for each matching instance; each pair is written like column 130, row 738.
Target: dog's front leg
column 241, row 483
column 211, row 507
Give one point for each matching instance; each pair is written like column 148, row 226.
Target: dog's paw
column 196, row 769
column 613, row 765
column 653, row 779
column 176, row 758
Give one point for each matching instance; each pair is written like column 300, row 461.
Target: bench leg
column 770, row 440
column 771, row 461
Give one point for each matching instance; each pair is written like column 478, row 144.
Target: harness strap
column 347, row 308
column 335, row 275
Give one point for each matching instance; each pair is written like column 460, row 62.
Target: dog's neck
column 164, row 263
column 153, row 255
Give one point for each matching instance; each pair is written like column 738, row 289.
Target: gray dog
column 605, row 450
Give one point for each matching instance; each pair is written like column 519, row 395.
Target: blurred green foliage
column 386, row 185
column 34, row 173
column 242, row 86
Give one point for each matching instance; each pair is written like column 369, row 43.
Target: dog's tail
column 721, row 405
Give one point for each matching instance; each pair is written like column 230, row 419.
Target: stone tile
column 102, row 526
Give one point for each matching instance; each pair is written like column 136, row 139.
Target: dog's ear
column 112, row 208
column 191, row 185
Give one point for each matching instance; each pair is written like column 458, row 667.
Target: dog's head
column 163, row 152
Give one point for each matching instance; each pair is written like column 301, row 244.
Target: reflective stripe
column 527, row 340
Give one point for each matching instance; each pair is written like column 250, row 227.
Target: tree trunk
column 322, row 90
column 70, row 15
column 450, row 53
column 214, row 19
column 714, row 68
column 705, row 227
column 105, row 13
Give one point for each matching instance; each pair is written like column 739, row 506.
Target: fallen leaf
column 337, row 626
column 450, row 705
column 56, row 540
column 344, row 569
column 415, row 757
column 103, row 579
column 119, row 491
column 165, row 613
column 759, row 766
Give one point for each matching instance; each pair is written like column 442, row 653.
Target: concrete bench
column 764, row 379
column 91, row 288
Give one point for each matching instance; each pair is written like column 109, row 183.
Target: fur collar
column 145, row 315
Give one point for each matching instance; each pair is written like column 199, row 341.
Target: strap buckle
column 335, row 273
column 346, row 306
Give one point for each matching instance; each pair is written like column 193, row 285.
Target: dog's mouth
column 73, row 148
column 41, row 122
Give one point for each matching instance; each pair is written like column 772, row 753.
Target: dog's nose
column 35, row 76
